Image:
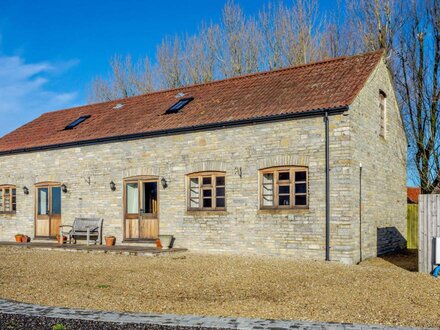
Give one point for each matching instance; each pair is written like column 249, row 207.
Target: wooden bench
column 83, row 227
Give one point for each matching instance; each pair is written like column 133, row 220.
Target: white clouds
column 24, row 93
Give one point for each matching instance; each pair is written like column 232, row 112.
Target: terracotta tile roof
column 322, row 85
column 413, row 194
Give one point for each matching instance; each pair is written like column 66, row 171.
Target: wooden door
column 141, row 219
column 48, row 210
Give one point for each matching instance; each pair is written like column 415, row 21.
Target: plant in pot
column 19, row 238
column 64, row 239
column 25, row 239
column 166, row 241
column 110, row 240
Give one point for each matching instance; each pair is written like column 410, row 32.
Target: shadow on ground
column 405, row 259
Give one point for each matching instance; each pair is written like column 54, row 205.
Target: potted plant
column 166, row 241
column 64, row 239
column 110, row 240
column 25, row 239
column 158, row 244
column 19, row 238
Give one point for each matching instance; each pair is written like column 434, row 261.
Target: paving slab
column 17, row 315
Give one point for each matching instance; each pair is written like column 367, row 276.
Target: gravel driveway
column 375, row 292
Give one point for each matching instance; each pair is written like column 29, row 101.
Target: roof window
column 179, row 105
column 76, row 122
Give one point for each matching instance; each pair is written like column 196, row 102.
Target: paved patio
column 124, row 249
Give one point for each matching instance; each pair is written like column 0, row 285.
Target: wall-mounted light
column 164, row 182
column 238, row 171
column 63, row 188
column 26, row 190
column 112, row 186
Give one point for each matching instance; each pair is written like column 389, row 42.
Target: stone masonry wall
column 383, row 169
column 243, row 228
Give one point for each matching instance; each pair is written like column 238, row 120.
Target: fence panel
column 412, row 232
column 429, row 228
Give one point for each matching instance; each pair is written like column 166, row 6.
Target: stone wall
column 243, row 228
column 383, row 169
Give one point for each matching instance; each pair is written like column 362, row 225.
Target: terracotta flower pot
column 110, row 240
column 25, row 239
column 19, row 238
column 158, row 244
column 59, row 239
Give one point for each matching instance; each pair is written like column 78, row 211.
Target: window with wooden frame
column 383, row 113
column 206, row 191
column 8, row 199
column 284, row 187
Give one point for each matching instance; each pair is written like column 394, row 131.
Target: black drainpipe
column 327, row 189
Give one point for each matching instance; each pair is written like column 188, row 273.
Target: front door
column 141, row 209
column 48, row 210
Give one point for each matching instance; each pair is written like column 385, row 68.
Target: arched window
column 8, row 199
column 284, row 187
column 206, row 191
column 383, row 112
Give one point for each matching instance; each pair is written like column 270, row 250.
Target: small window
column 284, row 187
column 77, row 122
column 383, row 113
column 8, row 199
column 206, row 191
column 179, row 105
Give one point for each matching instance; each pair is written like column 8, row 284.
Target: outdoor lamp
column 26, row 190
column 112, row 186
column 164, row 182
column 64, row 188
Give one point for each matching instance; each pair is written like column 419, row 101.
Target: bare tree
column 126, row 79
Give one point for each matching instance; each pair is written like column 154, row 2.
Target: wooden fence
column 429, row 228
column 412, row 226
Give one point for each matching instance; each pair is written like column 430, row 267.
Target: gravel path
column 375, row 292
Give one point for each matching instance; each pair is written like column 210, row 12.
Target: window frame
column 213, row 175
column 12, row 203
column 383, row 113
column 77, row 122
column 291, row 182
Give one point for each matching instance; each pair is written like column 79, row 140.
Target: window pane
column 194, row 182
column 268, row 178
column 300, row 188
column 220, row 202
column 300, row 176
column 14, row 200
column 194, row 203
column 1, row 199
column 283, row 189
column 284, row 176
column 220, row 192
column 207, row 180
column 268, row 200
column 132, row 198
column 301, row 200
column 284, row 200
column 207, row 193
column 43, row 201
column 220, row 181
column 56, row 200
column 207, row 202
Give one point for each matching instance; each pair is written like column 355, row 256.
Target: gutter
column 188, row 129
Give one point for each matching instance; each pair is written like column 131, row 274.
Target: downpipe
column 327, row 188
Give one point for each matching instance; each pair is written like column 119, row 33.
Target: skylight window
column 179, row 105
column 76, row 122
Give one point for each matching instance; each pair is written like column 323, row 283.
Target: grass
column 379, row 291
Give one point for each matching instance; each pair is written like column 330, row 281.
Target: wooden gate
column 429, row 228
column 412, row 224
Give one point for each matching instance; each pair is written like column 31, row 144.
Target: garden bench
column 83, row 227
